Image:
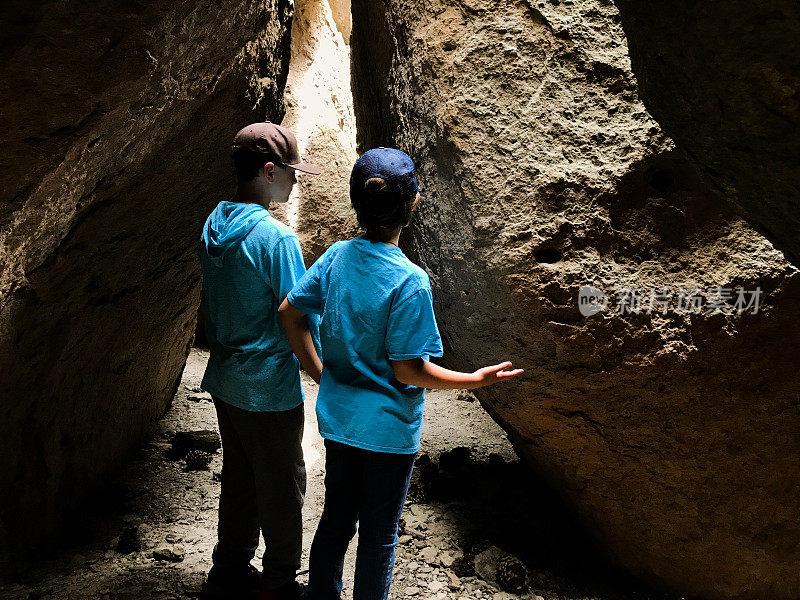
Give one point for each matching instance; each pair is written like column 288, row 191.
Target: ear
column 268, row 171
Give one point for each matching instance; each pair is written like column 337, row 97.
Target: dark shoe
column 291, row 591
column 231, row 584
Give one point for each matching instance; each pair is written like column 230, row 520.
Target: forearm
column 423, row 373
column 295, row 324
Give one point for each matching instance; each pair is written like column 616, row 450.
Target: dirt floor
column 471, row 505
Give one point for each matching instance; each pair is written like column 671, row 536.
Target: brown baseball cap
column 274, row 140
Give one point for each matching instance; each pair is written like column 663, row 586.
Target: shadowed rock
column 117, row 120
column 723, row 79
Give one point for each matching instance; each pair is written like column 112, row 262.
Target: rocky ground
column 476, row 519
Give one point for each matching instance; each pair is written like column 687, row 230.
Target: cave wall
column 115, row 129
column 319, row 109
column 723, row 80
column 673, row 435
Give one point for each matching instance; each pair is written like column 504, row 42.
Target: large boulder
column 117, row 119
column 674, row 433
column 723, row 79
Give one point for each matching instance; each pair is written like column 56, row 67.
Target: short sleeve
column 411, row 331
column 306, row 295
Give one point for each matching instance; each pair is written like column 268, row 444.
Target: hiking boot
column 290, row 591
column 228, row 583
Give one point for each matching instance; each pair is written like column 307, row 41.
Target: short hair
column 380, row 207
column 248, row 163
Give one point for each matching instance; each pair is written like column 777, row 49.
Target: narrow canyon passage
column 553, row 159
column 319, row 109
column 150, row 534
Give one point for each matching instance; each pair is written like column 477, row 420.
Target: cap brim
column 306, row 168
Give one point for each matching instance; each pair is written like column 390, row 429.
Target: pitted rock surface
column 673, row 435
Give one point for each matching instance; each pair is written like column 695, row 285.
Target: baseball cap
column 390, row 164
column 273, row 140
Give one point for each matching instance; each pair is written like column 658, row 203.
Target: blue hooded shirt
column 250, row 263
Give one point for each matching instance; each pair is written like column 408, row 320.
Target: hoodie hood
column 228, row 225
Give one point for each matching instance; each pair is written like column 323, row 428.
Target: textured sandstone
column 325, row 214
column 674, row 436
column 319, row 109
column 342, row 17
column 723, row 79
column 115, row 126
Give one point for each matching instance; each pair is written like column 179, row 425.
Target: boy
column 378, row 331
column 250, row 262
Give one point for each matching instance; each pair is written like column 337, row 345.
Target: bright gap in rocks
column 319, row 110
column 319, row 102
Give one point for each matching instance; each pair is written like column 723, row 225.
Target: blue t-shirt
column 376, row 306
column 250, row 262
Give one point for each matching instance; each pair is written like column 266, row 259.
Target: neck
column 250, row 193
column 392, row 238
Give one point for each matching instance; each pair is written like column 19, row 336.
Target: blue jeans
column 368, row 488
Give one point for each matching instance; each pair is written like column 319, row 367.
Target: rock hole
column 547, row 255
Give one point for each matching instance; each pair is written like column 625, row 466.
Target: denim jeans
column 368, row 488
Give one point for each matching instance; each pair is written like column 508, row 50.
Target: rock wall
column 674, row 435
column 723, row 79
column 115, row 125
column 319, row 109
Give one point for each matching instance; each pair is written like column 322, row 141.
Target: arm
column 295, row 324
column 287, row 268
column 423, row 373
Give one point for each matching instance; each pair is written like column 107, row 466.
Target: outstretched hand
column 423, row 373
column 496, row 373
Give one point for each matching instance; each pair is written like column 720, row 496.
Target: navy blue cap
column 390, row 164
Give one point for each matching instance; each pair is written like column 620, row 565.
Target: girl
column 378, row 331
